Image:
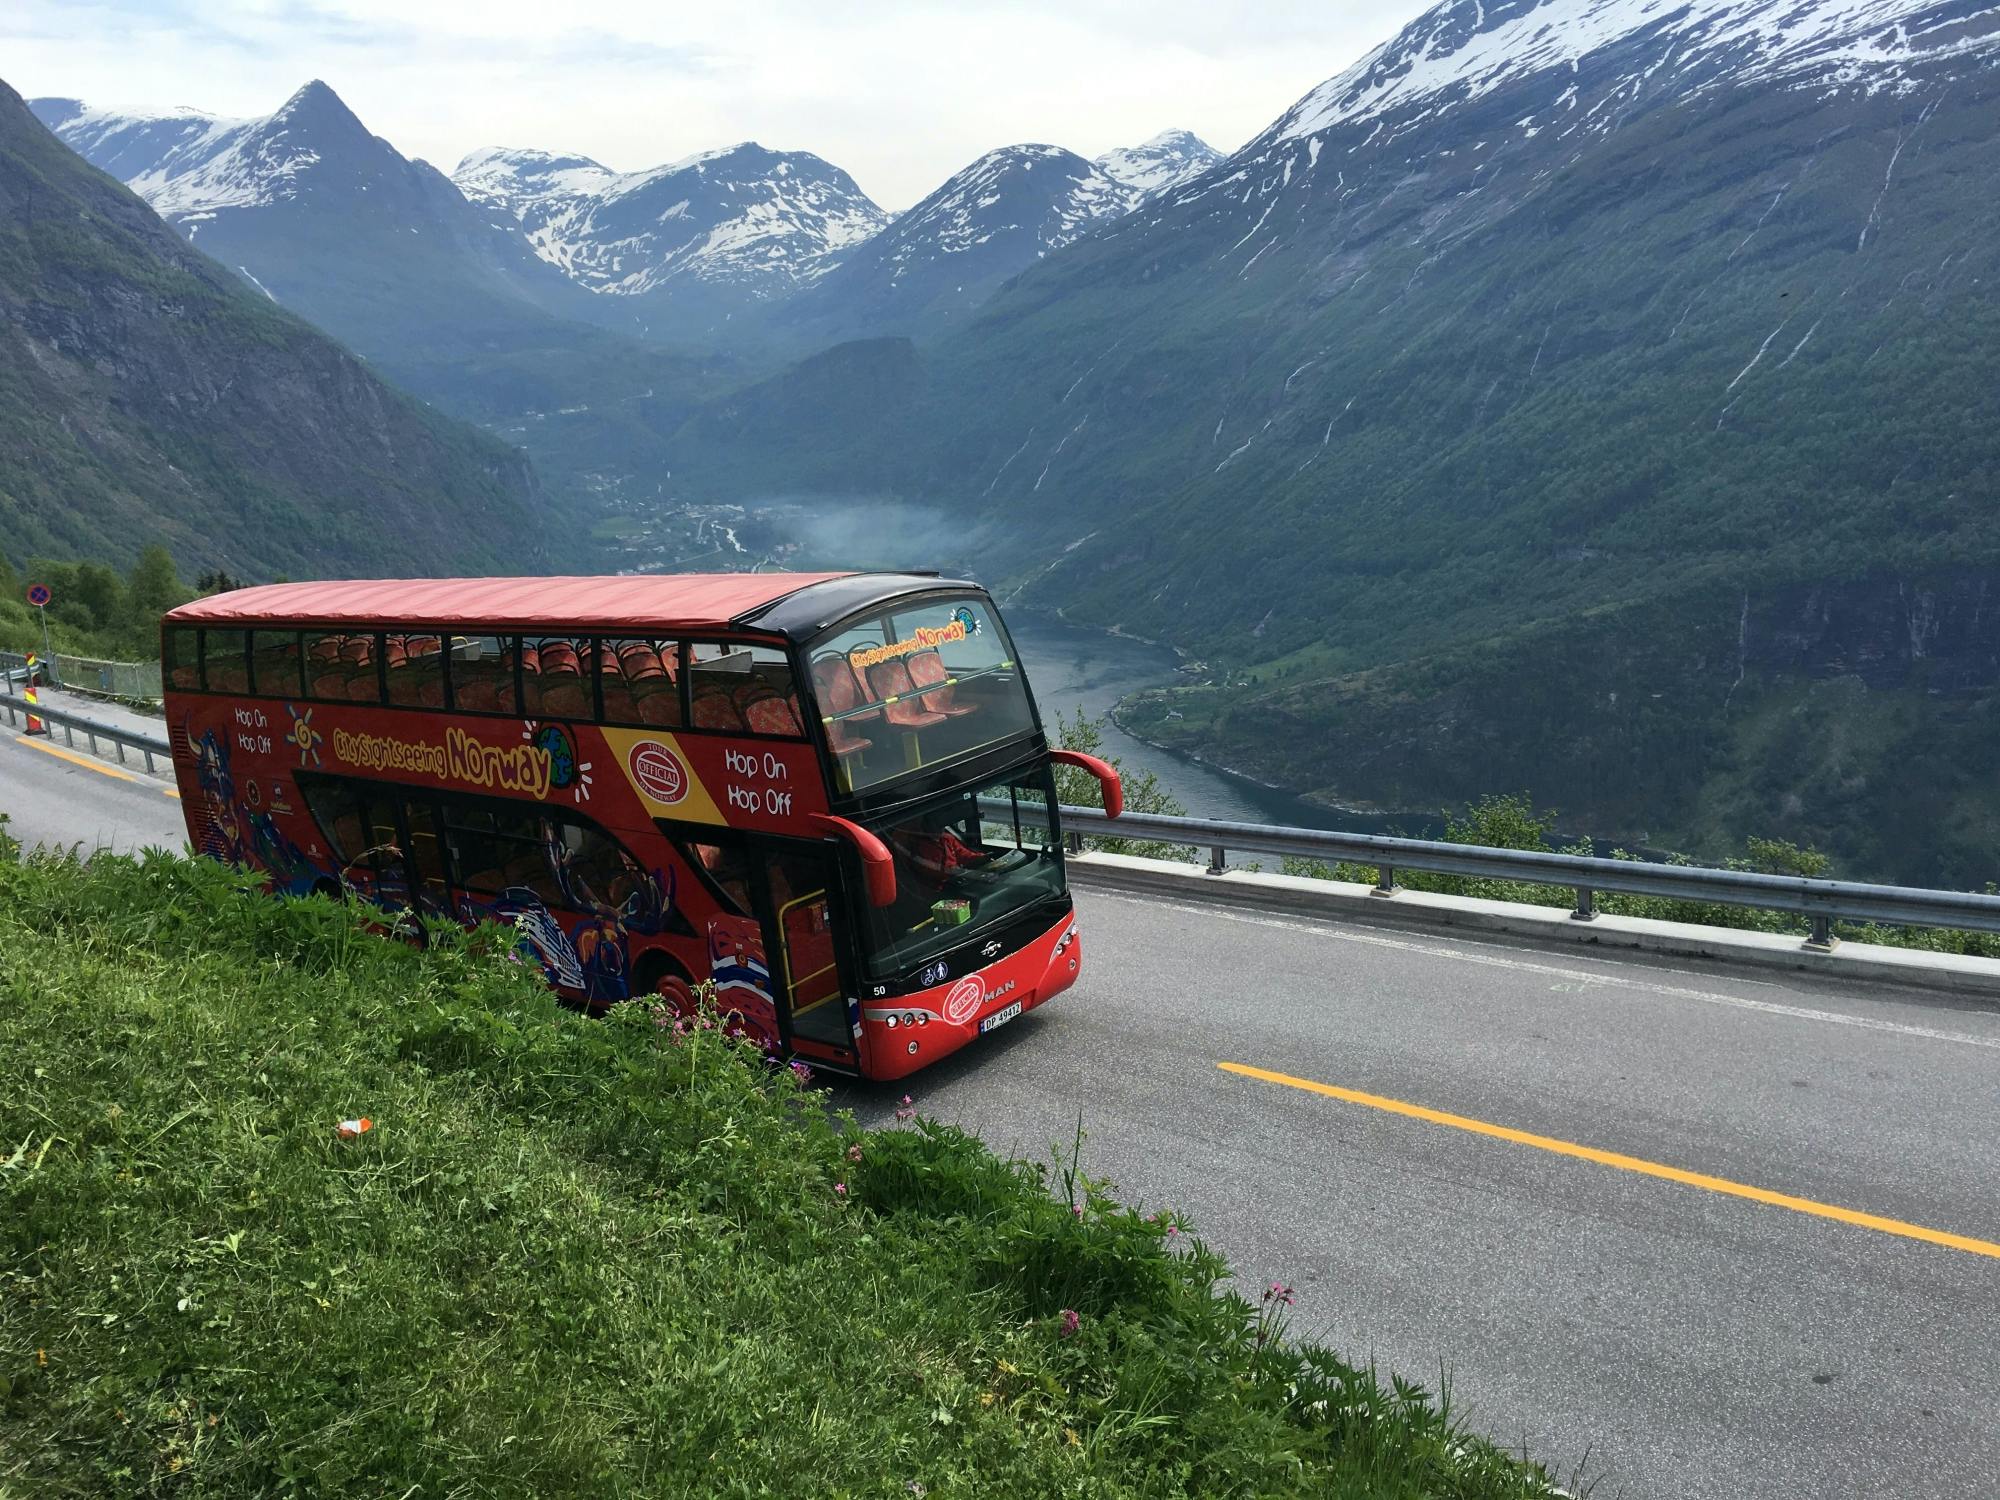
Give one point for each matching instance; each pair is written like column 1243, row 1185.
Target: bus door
column 802, row 907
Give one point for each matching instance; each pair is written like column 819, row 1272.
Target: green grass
column 572, row 1257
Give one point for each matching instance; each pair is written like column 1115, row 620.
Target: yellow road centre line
column 74, row 759
column 1623, row 1163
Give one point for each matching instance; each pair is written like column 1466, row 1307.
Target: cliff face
column 146, row 394
column 1935, row 631
column 1861, row 715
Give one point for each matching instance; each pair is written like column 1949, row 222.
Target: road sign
column 39, row 595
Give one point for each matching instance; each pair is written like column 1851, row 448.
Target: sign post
column 39, row 596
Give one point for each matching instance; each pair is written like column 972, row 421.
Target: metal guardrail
column 14, row 709
column 1819, row 902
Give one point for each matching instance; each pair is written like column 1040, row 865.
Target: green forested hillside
column 148, row 395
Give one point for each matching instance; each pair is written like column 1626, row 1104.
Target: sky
column 901, row 93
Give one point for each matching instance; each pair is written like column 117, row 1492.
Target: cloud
column 899, row 92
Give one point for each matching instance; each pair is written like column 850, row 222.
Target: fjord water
column 1071, row 667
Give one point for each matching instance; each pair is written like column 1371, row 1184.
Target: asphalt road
column 53, row 794
column 1665, row 1339
column 1639, row 1314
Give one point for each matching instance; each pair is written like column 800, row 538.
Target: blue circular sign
column 38, row 594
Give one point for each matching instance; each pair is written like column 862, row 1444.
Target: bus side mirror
column 876, row 863
column 1107, row 777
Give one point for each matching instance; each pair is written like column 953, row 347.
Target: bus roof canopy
column 638, row 603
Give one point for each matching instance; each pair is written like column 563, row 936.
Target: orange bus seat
column 891, row 679
column 714, row 709
column 937, row 694
column 840, row 693
column 771, row 714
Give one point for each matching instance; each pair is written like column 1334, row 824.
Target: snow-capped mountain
column 945, row 256
column 320, row 215
column 1167, row 160
column 1464, row 50
column 732, row 227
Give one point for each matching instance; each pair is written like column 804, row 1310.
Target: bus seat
column 559, row 657
column 641, row 663
column 839, row 692
column 566, row 697
column 476, row 686
column 659, row 703
column 713, row 708
column 927, row 672
column 770, row 714
column 358, row 651
column 619, row 704
column 891, row 679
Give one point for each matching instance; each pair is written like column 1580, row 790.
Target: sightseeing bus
column 829, row 795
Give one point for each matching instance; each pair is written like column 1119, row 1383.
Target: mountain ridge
column 149, row 395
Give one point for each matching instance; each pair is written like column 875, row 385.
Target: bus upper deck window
column 228, row 670
column 737, row 688
column 482, row 674
column 181, row 658
column 415, row 670
column 274, row 659
column 641, row 681
column 556, row 677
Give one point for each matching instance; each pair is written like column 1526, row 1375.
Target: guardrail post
column 1586, row 905
column 1218, row 860
column 1385, row 881
column 1822, row 939
column 1074, row 841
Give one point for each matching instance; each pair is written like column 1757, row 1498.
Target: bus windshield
column 918, row 684
column 965, row 861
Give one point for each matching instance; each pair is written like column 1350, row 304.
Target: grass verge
column 571, row 1257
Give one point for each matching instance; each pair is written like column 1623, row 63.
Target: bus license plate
column 1001, row 1017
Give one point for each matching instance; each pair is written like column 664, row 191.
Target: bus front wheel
column 669, row 985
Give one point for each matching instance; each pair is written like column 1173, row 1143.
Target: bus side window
column 364, row 672
column 641, row 682
column 741, row 688
column 555, row 677
column 416, row 670
column 727, row 868
column 482, row 674
column 326, row 674
column 274, row 662
column 227, row 669
column 181, row 658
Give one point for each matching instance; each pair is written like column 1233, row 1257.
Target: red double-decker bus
column 829, row 795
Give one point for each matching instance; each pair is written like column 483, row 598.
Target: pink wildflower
column 801, row 1072
column 840, row 1189
column 1070, row 1322
column 1076, row 1210
column 854, row 1153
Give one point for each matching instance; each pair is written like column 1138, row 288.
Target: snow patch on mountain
column 765, row 221
column 187, row 164
column 1464, row 49
column 998, row 195
column 1166, row 161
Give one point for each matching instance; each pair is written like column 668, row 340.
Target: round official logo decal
column 965, row 998
column 659, row 771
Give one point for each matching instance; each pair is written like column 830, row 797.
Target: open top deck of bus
column 792, row 605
